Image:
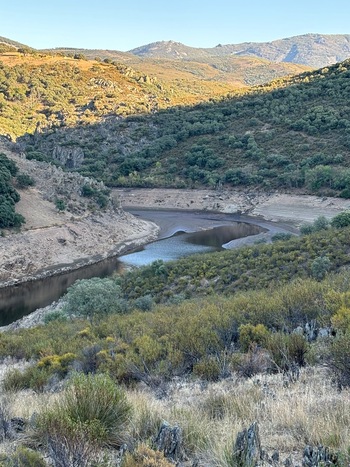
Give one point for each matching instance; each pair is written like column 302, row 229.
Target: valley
column 212, row 336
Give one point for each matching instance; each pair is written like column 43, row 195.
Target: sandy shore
column 276, row 207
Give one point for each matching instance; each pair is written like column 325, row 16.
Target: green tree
column 94, row 297
column 341, row 220
column 60, row 204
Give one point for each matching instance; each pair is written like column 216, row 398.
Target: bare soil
column 53, row 241
column 278, row 207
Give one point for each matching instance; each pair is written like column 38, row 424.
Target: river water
column 182, row 233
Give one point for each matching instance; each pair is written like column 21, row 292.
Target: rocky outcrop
column 319, row 456
column 71, row 158
column 169, row 441
column 247, row 449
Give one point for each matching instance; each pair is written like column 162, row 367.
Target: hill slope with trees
column 290, row 134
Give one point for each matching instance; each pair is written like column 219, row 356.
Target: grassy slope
column 58, row 90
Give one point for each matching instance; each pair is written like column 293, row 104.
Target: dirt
column 278, row 207
column 53, row 241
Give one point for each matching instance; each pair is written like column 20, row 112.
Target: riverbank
column 52, row 242
column 276, row 207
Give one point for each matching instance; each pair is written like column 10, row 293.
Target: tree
column 60, row 204
column 94, row 297
column 341, row 220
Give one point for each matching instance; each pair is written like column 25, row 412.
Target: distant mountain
column 314, row 50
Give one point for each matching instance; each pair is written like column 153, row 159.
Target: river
column 182, row 233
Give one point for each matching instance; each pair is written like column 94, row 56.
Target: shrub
column 281, row 236
column 24, row 181
column 60, row 204
column 319, row 267
column 31, row 378
column 144, row 303
column 208, row 369
column 341, row 220
column 255, row 361
column 94, row 297
column 249, row 334
column 143, row 456
column 22, row 457
column 287, row 350
column 54, row 316
column 57, row 363
column 91, row 405
column 91, row 414
column 339, row 359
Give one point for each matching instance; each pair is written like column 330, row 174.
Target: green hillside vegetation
column 111, row 334
column 9, row 196
column 290, row 134
column 249, row 295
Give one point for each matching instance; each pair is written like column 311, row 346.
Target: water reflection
column 185, row 244
column 22, row 299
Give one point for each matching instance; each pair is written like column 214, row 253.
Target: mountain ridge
column 315, row 50
column 312, row 49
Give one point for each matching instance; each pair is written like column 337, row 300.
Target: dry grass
column 309, row 411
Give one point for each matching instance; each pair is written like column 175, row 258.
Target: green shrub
column 207, row 368
column 93, row 407
column 24, row 181
column 281, row 236
column 249, row 334
column 287, row 350
column 95, row 297
column 60, row 205
column 31, row 378
column 145, row 303
column 319, row 267
column 92, row 413
column 54, row 316
column 339, row 359
column 341, row 220
column 22, row 457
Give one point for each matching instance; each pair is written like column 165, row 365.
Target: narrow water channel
column 181, row 234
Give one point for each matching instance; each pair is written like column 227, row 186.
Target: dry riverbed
column 278, row 207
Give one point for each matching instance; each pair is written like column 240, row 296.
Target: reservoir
column 182, row 233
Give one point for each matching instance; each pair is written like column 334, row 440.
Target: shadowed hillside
column 291, row 134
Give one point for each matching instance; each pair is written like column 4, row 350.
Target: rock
column 17, row 424
column 311, row 330
column 319, row 456
column 247, row 449
column 68, row 157
column 169, row 441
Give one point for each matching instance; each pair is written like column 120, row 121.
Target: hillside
column 290, row 134
column 86, row 226
column 314, row 50
column 236, row 70
column 42, row 91
column 10, row 45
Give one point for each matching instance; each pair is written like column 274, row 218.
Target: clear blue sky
column 126, row 24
